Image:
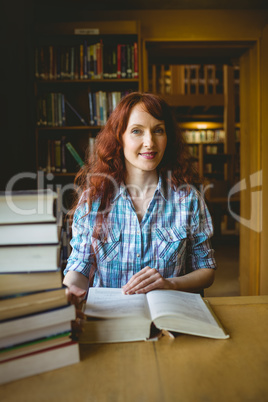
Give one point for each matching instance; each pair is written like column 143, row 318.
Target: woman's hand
column 76, row 296
column 146, row 280
column 149, row 279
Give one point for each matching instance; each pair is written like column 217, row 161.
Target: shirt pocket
column 106, row 244
column 171, row 242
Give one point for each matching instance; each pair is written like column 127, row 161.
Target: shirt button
column 138, row 255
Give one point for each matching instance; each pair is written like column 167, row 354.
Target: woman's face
column 144, row 141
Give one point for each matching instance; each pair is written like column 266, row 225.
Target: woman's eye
column 136, row 131
column 159, row 130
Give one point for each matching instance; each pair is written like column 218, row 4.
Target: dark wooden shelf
column 68, row 128
column 88, row 81
column 195, row 100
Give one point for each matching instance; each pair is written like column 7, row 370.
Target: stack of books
column 35, row 316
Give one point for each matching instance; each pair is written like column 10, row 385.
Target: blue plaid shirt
column 172, row 237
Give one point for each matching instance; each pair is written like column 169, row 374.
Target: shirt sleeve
column 199, row 251
column 81, row 258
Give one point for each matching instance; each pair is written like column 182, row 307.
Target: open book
column 115, row 317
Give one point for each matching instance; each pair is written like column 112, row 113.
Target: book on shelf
column 51, row 110
column 80, row 118
column 188, row 79
column 135, row 61
column 102, row 104
column 75, row 154
column 91, row 147
column 28, row 206
column 57, row 144
column 63, row 154
column 22, row 304
column 58, row 159
column 115, row 317
column 86, row 60
column 13, row 283
column 39, row 362
column 204, row 135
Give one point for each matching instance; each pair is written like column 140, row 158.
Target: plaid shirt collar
column 122, row 191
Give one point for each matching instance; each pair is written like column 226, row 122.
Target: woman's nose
column 148, row 140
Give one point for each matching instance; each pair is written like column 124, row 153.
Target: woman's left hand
column 146, row 280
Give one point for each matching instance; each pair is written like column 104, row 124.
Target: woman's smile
column 148, row 155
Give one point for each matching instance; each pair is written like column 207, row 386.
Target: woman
column 140, row 224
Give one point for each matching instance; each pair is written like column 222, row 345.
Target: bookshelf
column 205, row 98
column 82, row 70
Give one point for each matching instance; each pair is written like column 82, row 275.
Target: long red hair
column 107, row 166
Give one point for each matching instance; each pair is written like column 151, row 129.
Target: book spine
column 85, row 60
column 63, row 156
column 91, row 116
column 97, row 95
column 114, row 62
column 48, row 168
column 76, row 113
column 105, row 61
column 72, row 63
column 101, row 59
column 76, row 62
column 81, row 60
column 57, row 155
column 123, row 61
column 75, row 154
column 104, row 106
column 136, row 61
column 94, row 102
column 49, row 109
column 91, row 52
column 129, row 62
column 95, row 60
column 52, row 156
column 63, row 110
column 118, row 60
column 98, row 55
column 101, row 108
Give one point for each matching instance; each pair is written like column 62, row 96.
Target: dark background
column 18, row 19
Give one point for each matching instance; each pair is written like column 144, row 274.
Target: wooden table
column 186, row 369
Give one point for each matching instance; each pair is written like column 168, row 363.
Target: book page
column 109, row 302
column 188, row 306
